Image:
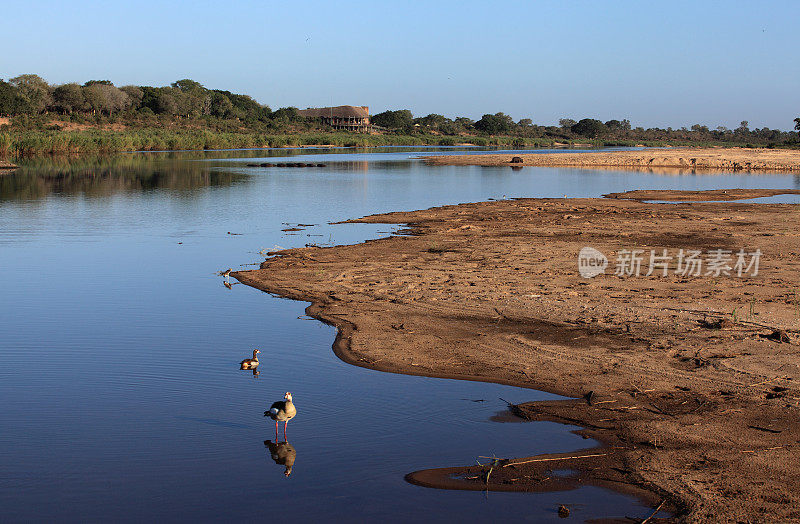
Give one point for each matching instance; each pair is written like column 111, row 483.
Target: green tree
column 135, row 95
column 191, row 97
column 744, row 127
column 98, row 82
column 286, row 114
column 104, row 98
column 393, row 119
column 68, row 98
column 166, row 103
column 187, row 85
column 450, row 128
column 149, row 98
column 432, row 121
column 245, row 108
column 221, row 105
column 494, row 124
column 619, row 125
column 590, row 128
column 797, row 125
column 566, row 123
column 466, row 123
column 11, row 102
column 34, row 90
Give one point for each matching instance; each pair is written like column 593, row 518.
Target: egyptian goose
column 250, row 363
column 283, row 411
column 283, row 454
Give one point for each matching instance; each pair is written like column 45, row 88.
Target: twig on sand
column 765, row 449
column 645, row 521
column 554, row 459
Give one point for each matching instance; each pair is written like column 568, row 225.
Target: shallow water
column 119, row 345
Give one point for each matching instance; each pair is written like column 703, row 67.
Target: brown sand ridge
column 694, row 380
column 701, row 196
column 4, row 166
column 717, row 159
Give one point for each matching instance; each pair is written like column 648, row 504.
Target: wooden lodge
column 349, row 118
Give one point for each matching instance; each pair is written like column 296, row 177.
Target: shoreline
column 687, row 159
column 689, row 395
column 602, row 465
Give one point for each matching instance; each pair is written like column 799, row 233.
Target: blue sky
column 657, row 64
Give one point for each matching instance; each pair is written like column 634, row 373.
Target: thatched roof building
column 351, row 118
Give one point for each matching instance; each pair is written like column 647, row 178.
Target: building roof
column 338, row 112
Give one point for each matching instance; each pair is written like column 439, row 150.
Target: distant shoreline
column 65, row 140
column 726, row 159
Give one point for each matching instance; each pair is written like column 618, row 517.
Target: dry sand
column 694, row 380
column 728, row 159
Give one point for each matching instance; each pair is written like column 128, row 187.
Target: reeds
column 38, row 142
column 48, row 142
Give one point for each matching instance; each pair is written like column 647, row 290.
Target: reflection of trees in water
column 104, row 176
column 353, row 165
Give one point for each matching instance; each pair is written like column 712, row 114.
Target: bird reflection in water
column 282, row 453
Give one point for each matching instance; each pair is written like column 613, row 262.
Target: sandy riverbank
column 732, row 159
column 694, row 379
column 6, row 166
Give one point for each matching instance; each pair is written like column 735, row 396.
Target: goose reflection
column 282, row 453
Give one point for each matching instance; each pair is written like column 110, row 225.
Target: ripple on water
column 122, row 397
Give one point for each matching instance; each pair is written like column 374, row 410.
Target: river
column 122, row 398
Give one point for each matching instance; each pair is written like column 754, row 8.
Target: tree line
column 31, row 102
column 101, row 100
column 587, row 128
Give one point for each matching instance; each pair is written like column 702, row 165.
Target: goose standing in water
column 250, row 363
column 282, row 453
column 282, row 411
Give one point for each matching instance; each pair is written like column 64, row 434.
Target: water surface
column 119, row 346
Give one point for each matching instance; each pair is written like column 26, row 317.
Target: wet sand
column 690, row 382
column 717, row 159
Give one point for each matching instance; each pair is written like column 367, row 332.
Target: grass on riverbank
column 20, row 144
column 35, row 143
